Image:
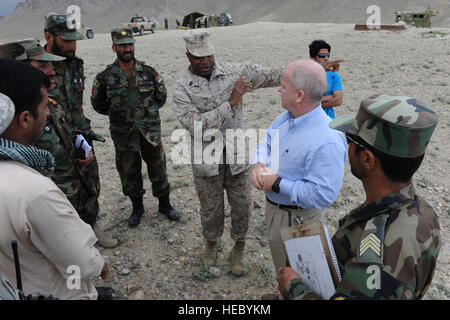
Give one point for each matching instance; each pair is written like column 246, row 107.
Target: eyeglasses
column 323, row 55
column 350, row 139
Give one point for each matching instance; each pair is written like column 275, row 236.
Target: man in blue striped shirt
column 300, row 165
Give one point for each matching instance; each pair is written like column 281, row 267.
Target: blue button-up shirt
column 309, row 157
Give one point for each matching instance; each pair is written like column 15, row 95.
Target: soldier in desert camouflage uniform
column 131, row 93
column 394, row 229
column 68, row 92
column 211, row 93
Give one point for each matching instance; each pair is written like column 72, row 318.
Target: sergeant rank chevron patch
column 370, row 242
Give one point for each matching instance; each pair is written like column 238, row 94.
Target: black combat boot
column 166, row 208
column 138, row 211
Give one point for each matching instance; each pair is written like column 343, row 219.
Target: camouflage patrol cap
column 28, row 49
column 122, row 36
column 396, row 125
column 197, row 43
column 61, row 25
column 7, row 111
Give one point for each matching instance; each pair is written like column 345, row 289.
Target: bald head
column 309, row 76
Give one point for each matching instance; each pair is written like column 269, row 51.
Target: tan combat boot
column 236, row 257
column 209, row 253
column 103, row 240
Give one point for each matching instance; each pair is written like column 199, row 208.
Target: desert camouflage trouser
column 129, row 165
column 83, row 192
column 210, row 194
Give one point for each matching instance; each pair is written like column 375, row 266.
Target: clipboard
column 308, row 232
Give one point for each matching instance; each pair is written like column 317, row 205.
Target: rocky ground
column 161, row 259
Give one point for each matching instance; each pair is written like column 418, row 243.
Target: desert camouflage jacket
column 58, row 137
column 69, row 80
column 195, row 99
column 399, row 235
column 132, row 104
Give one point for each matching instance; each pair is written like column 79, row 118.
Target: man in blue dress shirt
column 300, row 165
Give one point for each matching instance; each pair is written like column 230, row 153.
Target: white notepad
column 311, row 254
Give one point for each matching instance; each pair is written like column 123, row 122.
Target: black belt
column 283, row 206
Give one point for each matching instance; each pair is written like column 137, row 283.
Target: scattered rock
column 141, row 274
column 136, row 294
column 421, row 184
column 125, row 272
column 131, row 289
column 215, row 272
column 170, row 241
column 139, row 295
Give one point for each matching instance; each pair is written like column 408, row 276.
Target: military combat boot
column 166, row 209
column 236, row 257
column 138, row 211
column 102, row 239
column 209, row 253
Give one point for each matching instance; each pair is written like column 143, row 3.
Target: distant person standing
column 166, row 23
column 131, row 93
column 319, row 51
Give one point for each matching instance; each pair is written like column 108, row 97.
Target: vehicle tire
column 141, row 31
column 90, row 34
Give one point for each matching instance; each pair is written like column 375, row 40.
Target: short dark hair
column 315, row 47
column 22, row 83
column 395, row 168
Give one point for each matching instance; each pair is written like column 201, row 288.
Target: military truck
column 225, row 19
column 87, row 31
column 417, row 19
column 140, row 24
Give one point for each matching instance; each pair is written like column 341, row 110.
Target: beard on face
column 60, row 52
column 126, row 56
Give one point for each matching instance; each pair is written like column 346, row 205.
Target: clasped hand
column 262, row 177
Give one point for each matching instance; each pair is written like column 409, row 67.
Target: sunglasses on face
column 323, row 55
column 350, row 139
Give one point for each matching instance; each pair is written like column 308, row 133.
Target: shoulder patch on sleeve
column 370, row 247
column 94, row 88
column 159, row 78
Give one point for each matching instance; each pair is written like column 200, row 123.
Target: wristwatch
column 276, row 185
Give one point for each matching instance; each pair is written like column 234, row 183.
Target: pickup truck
column 140, row 25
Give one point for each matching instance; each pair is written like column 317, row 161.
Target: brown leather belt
column 284, row 206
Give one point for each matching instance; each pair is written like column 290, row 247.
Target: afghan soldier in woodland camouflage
column 81, row 185
column 131, row 94
column 394, row 231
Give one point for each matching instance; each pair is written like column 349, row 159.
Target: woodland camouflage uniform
column 400, row 232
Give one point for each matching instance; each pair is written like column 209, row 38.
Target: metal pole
column 17, row 264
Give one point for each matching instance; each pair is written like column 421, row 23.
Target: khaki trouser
column 278, row 219
column 210, row 193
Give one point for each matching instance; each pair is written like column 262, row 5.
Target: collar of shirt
column 377, row 207
column 304, row 120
